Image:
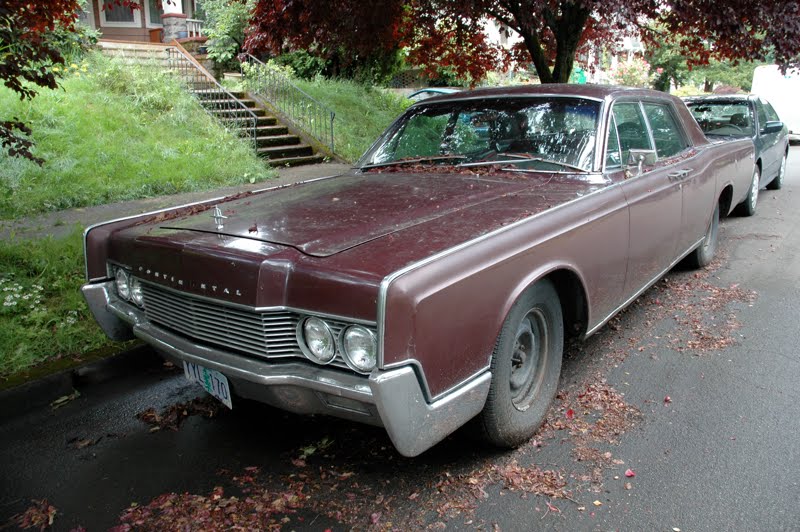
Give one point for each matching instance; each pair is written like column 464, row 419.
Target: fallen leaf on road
column 630, row 473
column 597, row 503
column 40, row 514
column 570, row 414
column 64, row 399
column 628, row 486
column 667, row 400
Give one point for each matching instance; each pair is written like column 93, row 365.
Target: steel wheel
column 748, row 206
column 527, row 360
column 525, row 367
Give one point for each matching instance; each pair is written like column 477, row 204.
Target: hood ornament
column 218, row 217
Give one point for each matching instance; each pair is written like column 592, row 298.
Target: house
column 155, row 21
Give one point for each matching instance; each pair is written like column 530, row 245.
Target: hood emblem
column 218, row 218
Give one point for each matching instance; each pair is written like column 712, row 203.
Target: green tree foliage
column 225, row 22
column 450, row 33
column 29, row 48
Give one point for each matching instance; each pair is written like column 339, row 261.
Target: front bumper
column 393, row 399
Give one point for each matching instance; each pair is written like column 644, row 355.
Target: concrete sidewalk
column 60, row 223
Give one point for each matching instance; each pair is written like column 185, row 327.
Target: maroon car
column 436, row 283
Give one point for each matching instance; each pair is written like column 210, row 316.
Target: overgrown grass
column 117, row 132
column 362, row 112
column 43, row 315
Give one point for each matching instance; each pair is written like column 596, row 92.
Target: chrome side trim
column 414, row 425
column 643, row 290
column 158, row 211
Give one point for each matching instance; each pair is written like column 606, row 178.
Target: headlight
column 360, row 347
column 123, row 284
column 136, row 291
column 319, row 340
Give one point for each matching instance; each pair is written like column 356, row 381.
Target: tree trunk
column 567, row 29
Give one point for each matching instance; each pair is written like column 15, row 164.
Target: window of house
column 154, row 13
column 113, row 14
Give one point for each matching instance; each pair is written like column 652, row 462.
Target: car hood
column 325, row 217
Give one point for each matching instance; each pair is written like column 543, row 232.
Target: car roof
column 597, row 92
column 719, row 98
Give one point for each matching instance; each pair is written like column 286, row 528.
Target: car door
column 654, row 199
column 683, row 166
column 770, row 145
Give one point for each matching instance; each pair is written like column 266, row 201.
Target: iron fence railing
column 305, row 112
column 214, row 98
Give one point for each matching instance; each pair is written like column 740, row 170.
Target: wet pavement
column 692, row 391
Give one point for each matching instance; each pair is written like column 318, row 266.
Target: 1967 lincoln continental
column 436, row 283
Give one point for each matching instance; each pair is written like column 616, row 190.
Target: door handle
column 679, row 175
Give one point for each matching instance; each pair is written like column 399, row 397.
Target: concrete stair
column 273, row 141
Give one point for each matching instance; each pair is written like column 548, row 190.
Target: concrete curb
column 41, row 392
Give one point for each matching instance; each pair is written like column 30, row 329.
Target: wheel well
column 725, row 199
column 572, row 296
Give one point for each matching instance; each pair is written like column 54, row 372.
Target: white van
column 782, row 91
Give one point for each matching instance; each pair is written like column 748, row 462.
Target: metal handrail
column 215, row 99
column 303, row 110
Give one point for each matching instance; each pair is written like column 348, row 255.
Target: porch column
column 174, row 20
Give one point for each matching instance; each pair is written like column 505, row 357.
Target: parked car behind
column 747, row 116
column 437, row 282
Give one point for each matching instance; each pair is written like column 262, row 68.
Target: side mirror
column 640, row 159
column 772, row 127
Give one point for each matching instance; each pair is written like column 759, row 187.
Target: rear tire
column 748, row 206
column 777, row 183
column 526, row 365
column 703, row 254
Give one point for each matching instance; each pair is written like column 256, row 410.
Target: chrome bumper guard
column 393, row 398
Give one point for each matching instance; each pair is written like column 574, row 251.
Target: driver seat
column 739, row 120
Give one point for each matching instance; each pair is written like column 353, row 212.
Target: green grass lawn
column 116, row 132
column 43, row 315
column 362, row 112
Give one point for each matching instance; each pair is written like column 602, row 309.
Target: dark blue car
column 742, row 115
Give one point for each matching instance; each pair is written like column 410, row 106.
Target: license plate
column 212, row 381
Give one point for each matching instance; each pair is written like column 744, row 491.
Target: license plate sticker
column 212, row 381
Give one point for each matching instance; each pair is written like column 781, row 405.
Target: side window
column 762, row 115
column 772, row 116
column 631, row 129
column 613, row 156
column 667, row 133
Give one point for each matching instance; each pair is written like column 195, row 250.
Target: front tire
column 748, row 206
column 777, row 183
column 704, row 253
column 526, row 365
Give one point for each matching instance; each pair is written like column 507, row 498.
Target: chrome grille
column 263, row 334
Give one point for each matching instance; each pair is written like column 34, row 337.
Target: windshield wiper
column 525, row 158
column 432, row 159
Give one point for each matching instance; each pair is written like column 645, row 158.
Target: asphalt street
column 683, row 413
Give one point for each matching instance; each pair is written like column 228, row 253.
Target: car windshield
column 541, row 133
column 723, row 117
